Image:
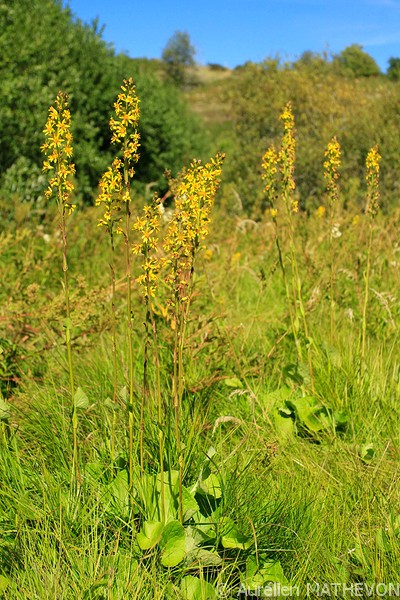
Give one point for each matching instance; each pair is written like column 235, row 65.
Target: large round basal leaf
column 150, row 534
column 116, row 495
column 173, row 544
column 211, row 486
column 260, row 575
column 193, row 588
column 232, row 537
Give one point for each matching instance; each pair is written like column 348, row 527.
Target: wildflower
column 114, row 184
column 58, row 150
column 148, row 226
column 288, row 150
column 273, row 212
column 372, row 179
column 320, row 212
column 331, row 166
column 194, row 197
column 270, row 168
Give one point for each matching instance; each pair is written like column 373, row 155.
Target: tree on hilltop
column 353, row 60
column 178, row 55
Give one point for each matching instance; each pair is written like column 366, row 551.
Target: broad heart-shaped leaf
column 189, row 504
column 284, row 421
column 259, row 575
column 150, row 534
column 173, row 544
column 199, row 557
column 193, row 588
column 117, row 495
column 211, row 486
column 311, row 414
column 4, row 410
column 80, row 399
column 231, row 536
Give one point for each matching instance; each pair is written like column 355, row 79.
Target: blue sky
column 231, row 32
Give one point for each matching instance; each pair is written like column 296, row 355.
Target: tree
column 354, row 61
column 177, row 56
column 393, row 71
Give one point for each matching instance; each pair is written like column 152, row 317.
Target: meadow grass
column 218, row 455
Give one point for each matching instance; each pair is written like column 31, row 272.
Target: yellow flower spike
column 332, row 165
column 123, row 125
column 58, row 151
column 372, row 178
column 270, row 168
column 148, row 226
column 287, row 153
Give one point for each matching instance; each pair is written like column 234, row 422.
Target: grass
column 281, row 478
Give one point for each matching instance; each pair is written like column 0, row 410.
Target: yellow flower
column 274, row 212
column 114, row 189
column 320, row 212
column 331, row 168
column 58, row 151
column 372, row 179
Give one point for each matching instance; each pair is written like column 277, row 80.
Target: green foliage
column 360, row 112
column 393, row 71
column 178, row 55
column 171, row 135
column 43, row 50
column 354, row 61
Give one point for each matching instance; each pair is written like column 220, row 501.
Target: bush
column 44, row 49
column 361, row 112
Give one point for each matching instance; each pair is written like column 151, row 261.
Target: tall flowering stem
column 331, row 174
column 116, row 197
column 147, row 227
column 58, row 152
column 372, row 178
column 194, row 197
column 270, row 174
column 110, row 196
column 278, row 174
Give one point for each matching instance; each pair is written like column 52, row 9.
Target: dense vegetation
column 43, row 49
column 208, row 404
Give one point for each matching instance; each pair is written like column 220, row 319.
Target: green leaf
column 4, row 410
column 311, row 414
column 259, row 576
column 4, row 583
column 80, row 399
column 211, row 486
column 117, row 495
column 233, row 382
column 173, row 544
column 367, row 452
column 193, row 588
column 108, row 403
column 284, row 421
column 124, row 394
column 232, row 537
column 150, row 534
column 189, row 504
column 204, row 558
